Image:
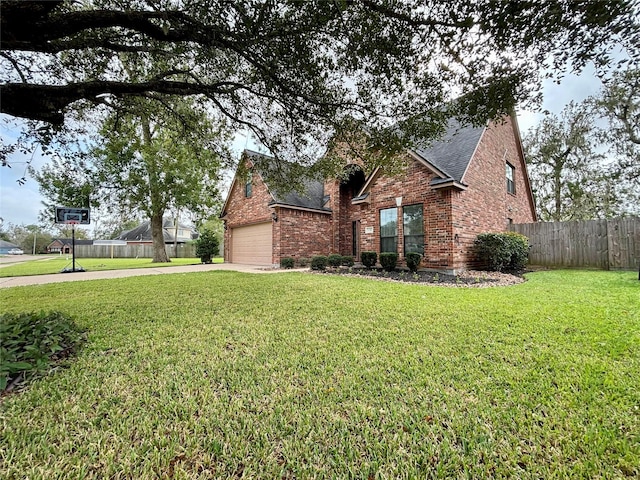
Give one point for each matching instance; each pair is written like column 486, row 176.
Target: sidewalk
column 132, row 272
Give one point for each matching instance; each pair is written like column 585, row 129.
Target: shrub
column 319, row 262
column 31, row 342
column 207, row 245
column 286, row 262
column 389, row 260
column 304, row 262
column 502, row 251
column 334, row 260
column 413, row 261
column 369, row 259
column 347, row 261
column 519, row 251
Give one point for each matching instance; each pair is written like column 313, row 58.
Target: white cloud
column 20, row 203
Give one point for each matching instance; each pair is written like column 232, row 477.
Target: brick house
column 474, row 180
column 65, row 245
column 141, row 235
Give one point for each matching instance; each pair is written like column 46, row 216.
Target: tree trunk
column 159, row 251
column 157, row 205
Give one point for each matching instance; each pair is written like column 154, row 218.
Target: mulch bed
column 469, row 278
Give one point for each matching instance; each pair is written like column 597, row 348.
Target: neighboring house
column 6, row 246
column 141, row 235
column 65, row 245
column 473, row 180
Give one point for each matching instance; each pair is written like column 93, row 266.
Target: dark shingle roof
column 452, row 153
column 5, row 244
column 69, row 241
column 142, row 233
column 312, row 196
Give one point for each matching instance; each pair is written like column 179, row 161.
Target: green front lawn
column 54, row 264
column 293, row 375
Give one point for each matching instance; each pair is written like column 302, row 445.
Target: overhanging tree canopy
column 297, row 72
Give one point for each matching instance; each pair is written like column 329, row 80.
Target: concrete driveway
column 133, row 272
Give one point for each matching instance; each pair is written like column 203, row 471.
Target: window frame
column 510, row 173
column 382, row 229
column 413, row 235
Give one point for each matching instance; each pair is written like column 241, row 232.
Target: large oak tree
column 147, row 159
column 298, row 72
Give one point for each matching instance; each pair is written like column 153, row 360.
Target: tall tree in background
column 586, row 163
column 297, row 73
column 153, row 160
column 619, row 103
column 149, row 157
column 28, row 236
column 568, row 178
column 65, row 182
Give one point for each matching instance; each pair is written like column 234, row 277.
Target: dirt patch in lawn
column 469, row 278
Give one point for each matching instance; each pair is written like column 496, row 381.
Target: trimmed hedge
column 287, row 262
column 413, row 261
column 389, row 260
column 334, row 260
column 347, row 261
column 319, row 262
column 304, row 262
column 502, row 252
column 369, row 259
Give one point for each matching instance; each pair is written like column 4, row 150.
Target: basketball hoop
column 72, row 218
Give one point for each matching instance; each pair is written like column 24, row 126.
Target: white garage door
column 252, row 245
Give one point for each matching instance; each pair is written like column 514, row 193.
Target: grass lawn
column 293, row 375
column 54, row 264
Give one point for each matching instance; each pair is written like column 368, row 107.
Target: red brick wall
column 246, row 211
column 297, row 233
column 413, row 187
column 302, row 234
column 486, row 206
column 452, row 218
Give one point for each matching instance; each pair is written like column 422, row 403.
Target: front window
column 389, row 230
column 413, row 227
column 511, row 185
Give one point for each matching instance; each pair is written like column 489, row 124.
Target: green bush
column 369, row 259
column 347, row 261
column 319, row 262
column 286, row 262
column 389, row 260
column 519, row 251
column 413, row 261
column 207, row 246
column 31, row 342
column 502, row 252
column 304, row 262
column 334, row 260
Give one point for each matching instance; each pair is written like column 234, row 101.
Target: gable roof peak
column 452, row 153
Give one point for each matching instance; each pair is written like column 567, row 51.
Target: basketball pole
column 73, row 247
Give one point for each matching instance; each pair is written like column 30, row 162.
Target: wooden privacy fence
column 605, row 244
column 132, row 251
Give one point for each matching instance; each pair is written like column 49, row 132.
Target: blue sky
column 20, row 204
